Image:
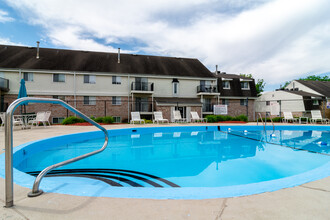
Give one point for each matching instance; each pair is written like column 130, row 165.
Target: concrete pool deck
column 307, row 201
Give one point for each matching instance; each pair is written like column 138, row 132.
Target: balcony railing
column 207, row 89
column 142, row 86
column 207, row 108
column 142, row 107
column 4, row 84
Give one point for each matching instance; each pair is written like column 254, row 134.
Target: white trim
column 245, row 80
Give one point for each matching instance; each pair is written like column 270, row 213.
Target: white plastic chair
column 136, row 118
column 47, row 115
column 40, row 118
column 177, row 117
column 2, row 116
column 195, row 117
column 158, row 117
column 316, row 116
column 288, row 117
column 17, row 120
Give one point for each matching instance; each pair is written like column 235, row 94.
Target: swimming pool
column 179, row 162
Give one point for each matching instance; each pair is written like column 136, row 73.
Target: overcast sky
column 274, row 40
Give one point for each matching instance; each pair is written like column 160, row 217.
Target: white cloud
column 7, row 41
column 276, row 40
column 4, row 17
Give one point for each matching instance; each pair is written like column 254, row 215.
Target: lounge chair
column 316, row 116
column 288, row 117
column 136, row 118
column 16, row 120
column 177, row 117
column 195, row 117
column 42, row 117
column 159, row 118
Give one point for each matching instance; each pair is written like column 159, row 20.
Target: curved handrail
column 261, row 121
column 9, row 145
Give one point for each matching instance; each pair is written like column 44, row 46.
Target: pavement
column 307, row 201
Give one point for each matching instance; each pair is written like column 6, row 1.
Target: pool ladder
column 9, row 146
column 265, row 123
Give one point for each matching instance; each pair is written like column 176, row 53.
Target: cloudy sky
column 274, row 40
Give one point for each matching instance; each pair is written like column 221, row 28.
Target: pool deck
column 307, row 201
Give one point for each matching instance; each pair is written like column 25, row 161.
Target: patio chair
column 159, row 118
column 316, row 116
column 195, row 117
column 288, row 117
column 136, row 118
column 177, row 117
column 2, row 116
column 40, row 118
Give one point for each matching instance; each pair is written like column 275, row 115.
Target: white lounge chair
column 195, row 117
column 177, row 117
column 42, row 117
column 316, row 116
column 288, row 117
column 159, row 118
column 2, row 116
column 136, row 118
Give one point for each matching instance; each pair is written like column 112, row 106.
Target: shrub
column 220, row 118
column 211, row 118
column 277, row 119
column 241, row 118
column 98, row 119
column 72, row 120
column 147, row 121
column 228, row 118
column 108, row 120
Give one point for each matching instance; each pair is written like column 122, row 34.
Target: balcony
column 207, row 89
column 142, row 107
column 4, row 84
column 142, row 87
column 207, row 108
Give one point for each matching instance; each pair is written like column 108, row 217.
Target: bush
column 108, row 120
column 221, row 118
column 147, row 121
column 277, row 119
column 228, row 118
column 72, row 120
column 211, row 118
column 98, row 119
column 241, row 118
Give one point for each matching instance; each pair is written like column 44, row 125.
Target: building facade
column 108, row 84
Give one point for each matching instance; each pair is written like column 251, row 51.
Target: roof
column 301, row 93
column 322, row 87
column 16, row 57
column 232, row 76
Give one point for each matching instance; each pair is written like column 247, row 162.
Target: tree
column 260, row 85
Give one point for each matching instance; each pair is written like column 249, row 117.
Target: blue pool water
column 179, row 162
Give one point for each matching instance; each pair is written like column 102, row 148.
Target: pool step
column 113, row 177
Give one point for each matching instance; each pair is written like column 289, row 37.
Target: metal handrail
column 261, row 121
column 9, row 145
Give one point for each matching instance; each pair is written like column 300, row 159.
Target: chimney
column 216, row 69
column 38, row 49
column 118, row 55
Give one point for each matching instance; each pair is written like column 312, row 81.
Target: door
column 141, row 83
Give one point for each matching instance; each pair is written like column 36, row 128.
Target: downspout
column 20, row 74
column 74, row 90
column 128, row 103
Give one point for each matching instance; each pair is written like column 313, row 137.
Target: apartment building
column 110, row 84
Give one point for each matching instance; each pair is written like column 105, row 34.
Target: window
column 175, row 88
column 245, row 85
column 226, row 84
column 244, row 102
column 58, row 77
column 225, row 101
column 61, row 97
column 116, row 80
column 116, row 100
column 91, row 79
column 89, row 100
column 28, row 77
column 267, row 102
column 57, row 120
column 116, row 119
column 315, row 102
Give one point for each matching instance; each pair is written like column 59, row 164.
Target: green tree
column 260, row 84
